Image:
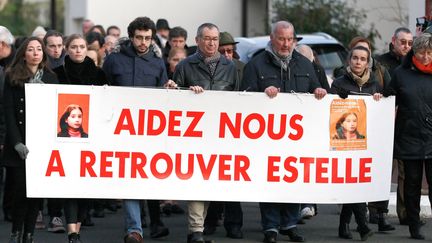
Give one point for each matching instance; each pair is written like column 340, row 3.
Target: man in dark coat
column 280, row 68
column 401, row 44
column 136, row 64
column 207, row 69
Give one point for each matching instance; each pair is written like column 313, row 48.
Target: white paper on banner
column 142, row 143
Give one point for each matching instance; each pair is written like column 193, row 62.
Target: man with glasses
column 400, row 45
column 137, row 65
column 207, row 69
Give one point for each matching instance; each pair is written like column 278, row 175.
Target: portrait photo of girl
column 71, row 122
column 346, row 127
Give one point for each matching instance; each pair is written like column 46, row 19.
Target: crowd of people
column 155, row 55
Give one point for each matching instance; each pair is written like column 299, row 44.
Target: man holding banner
column 207, row 69
column 281, row 69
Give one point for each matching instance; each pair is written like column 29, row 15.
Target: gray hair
column 422, row 42
column 6, row 36
column 281, row 24
column 205, row 25
column 306, row 51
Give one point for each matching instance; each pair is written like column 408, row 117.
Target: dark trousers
column 24, row 210
column 154, row 211
column 413, row 185
column 55, row 206
column 232, row 211
column 378, row 207
column 400, row 202
column 8, row 192
column 359, row 210
column 75, row 210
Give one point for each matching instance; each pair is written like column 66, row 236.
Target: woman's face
column 34, row 53
column 424, row 56
column 74, row 119
column 359, row 62
column 350, row 123
column 77, row 50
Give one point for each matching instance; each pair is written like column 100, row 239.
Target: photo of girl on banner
column 348, row 125
column 73, row 113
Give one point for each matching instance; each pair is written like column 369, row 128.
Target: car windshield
column 330, row 56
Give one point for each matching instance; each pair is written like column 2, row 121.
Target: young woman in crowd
column 78, row 69
column 29, row 66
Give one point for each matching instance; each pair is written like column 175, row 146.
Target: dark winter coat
column 85, row 73
column 193, row 72
column 413, row 128
column 262, row 72
column 390, row 60
column 125, row 68
column 14, row 105
column 347, row 85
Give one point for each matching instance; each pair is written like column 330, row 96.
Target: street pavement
column 321, row 228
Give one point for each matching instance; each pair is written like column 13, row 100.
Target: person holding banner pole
column 207, row 69
column 280, row 68
column 412, row 85
column 30, row 65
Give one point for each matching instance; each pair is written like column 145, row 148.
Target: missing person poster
column 142, row 143
column 348, row 124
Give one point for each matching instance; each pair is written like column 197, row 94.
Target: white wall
column 189, row 14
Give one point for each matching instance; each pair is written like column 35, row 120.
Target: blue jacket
column 126, row 68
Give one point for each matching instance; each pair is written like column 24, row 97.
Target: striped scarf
column 210, row 62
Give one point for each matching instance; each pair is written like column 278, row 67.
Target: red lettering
column 297, row 127
column 122, row 156
column 88, row 159
column 105, row 163
column 125, row 116
column 335, row 168
column 52, row 166
column 225, row 121
column 365, row 167
column 138, row 162
column 306, row 161
column 169, row 165
column 348, row 173
column 206, row 170
column 223, row 167
column 292, row 169
column 152, row 115
column 190, row 167
column 261, row 126
column 282, row 127
column 173, row 123
column 241, row 164
column 321, row 169
column 196, row 117
column 271, row 168
column 141, row 116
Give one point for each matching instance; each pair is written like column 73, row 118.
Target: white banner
column 143, row 143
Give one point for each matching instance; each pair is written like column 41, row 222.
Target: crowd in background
column 156, row 55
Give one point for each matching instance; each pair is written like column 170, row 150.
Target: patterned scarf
column 360, row 80
column 37, row 78
column 210, row 62
column 278, row 60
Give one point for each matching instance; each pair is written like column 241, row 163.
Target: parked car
column 331, row 53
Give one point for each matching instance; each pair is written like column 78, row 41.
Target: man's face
column 227, row 51
column 54, row 46
column 86, row 26
column 402, row 43
column 142, row 40
column 283, row 41
column 115, row 32
column 179, row 42
column 163, row 32
column 208, row 43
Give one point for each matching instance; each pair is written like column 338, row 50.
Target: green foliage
column 334, row 17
